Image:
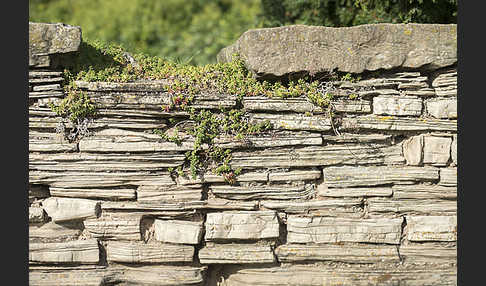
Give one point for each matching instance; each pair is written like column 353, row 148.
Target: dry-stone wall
column 368, row 198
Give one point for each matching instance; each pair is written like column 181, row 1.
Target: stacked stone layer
column 369, row 199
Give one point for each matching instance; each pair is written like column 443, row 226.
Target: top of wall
column 300, row 49
column 47, row 39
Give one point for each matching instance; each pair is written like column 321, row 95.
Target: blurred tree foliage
column 339, row 13
column 193, row 31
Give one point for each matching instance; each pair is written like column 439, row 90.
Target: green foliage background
column 193, row 31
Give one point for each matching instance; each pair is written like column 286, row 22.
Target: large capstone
column 48, row 39
column 299, row 50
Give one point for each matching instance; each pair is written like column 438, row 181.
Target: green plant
column 171, row 138
column 75, row 106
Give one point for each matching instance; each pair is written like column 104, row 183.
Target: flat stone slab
column 350, row 276
column 79, row 251
column 47, row 39
column 178, row 231
column 354, row 253
column 140, row 252
column 280, row 51
column 336, row 230
column 236, row 254
column 241, row 225
column 432, row 228
column 64, row 209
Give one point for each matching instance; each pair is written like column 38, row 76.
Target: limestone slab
column 159, row 275
column 114, row 226
column 236, row 225
column 95, row 193
column 150, row 194
column 437, row 150
column 294, row 122
column 339, row 154
column 392, row 207
column 47, row 39
column 443, row 108
column 236, row 254
column 332, row 230
column 432, row 228
column 295, row 175
column 351, row 253
column 277, row 52
column 270, row 139
column 55, row 232
column 354, row 192
column 413, row 150
column 325, row 207
column 365, row 176
column 269, row 192
column 78, row 251
column 178, row 231
column 397, row 105
column 392, row 123
column 428, row 253
column 448, row 176
column 72, row 276
column 64, row 209
column 349, row 276
column 141, row 252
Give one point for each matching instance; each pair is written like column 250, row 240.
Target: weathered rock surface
column 385, row 123
column 437, row 150
column 268, row 192
column 445, row 84
column 432, row 228
column 159, row 275
column 344, row 177
column 72, row 276
column 397, row 105
column 235, row 254
column 294, row 121
column 351, row 253
column 442, row 108
column 412, row 150
column 391, row 207
column 178, row 231
column 350, row 276
column 155, row 194
column 271, row 139
column 55, row 232
column 95, row 193
column 292, row 49
column 63, row 209
column 448, row 177
column 241, row 225
column 332, row 230
column 46, row 39
column 323, row 191
column 295, row 175
column 140, row 252
column 79, row 251
column 114, row 226
column 326, row 207
column 345, row 154
column 428, row 253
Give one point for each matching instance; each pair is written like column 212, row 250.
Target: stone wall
column 368, row 198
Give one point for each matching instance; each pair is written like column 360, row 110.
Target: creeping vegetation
column 97, row 61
